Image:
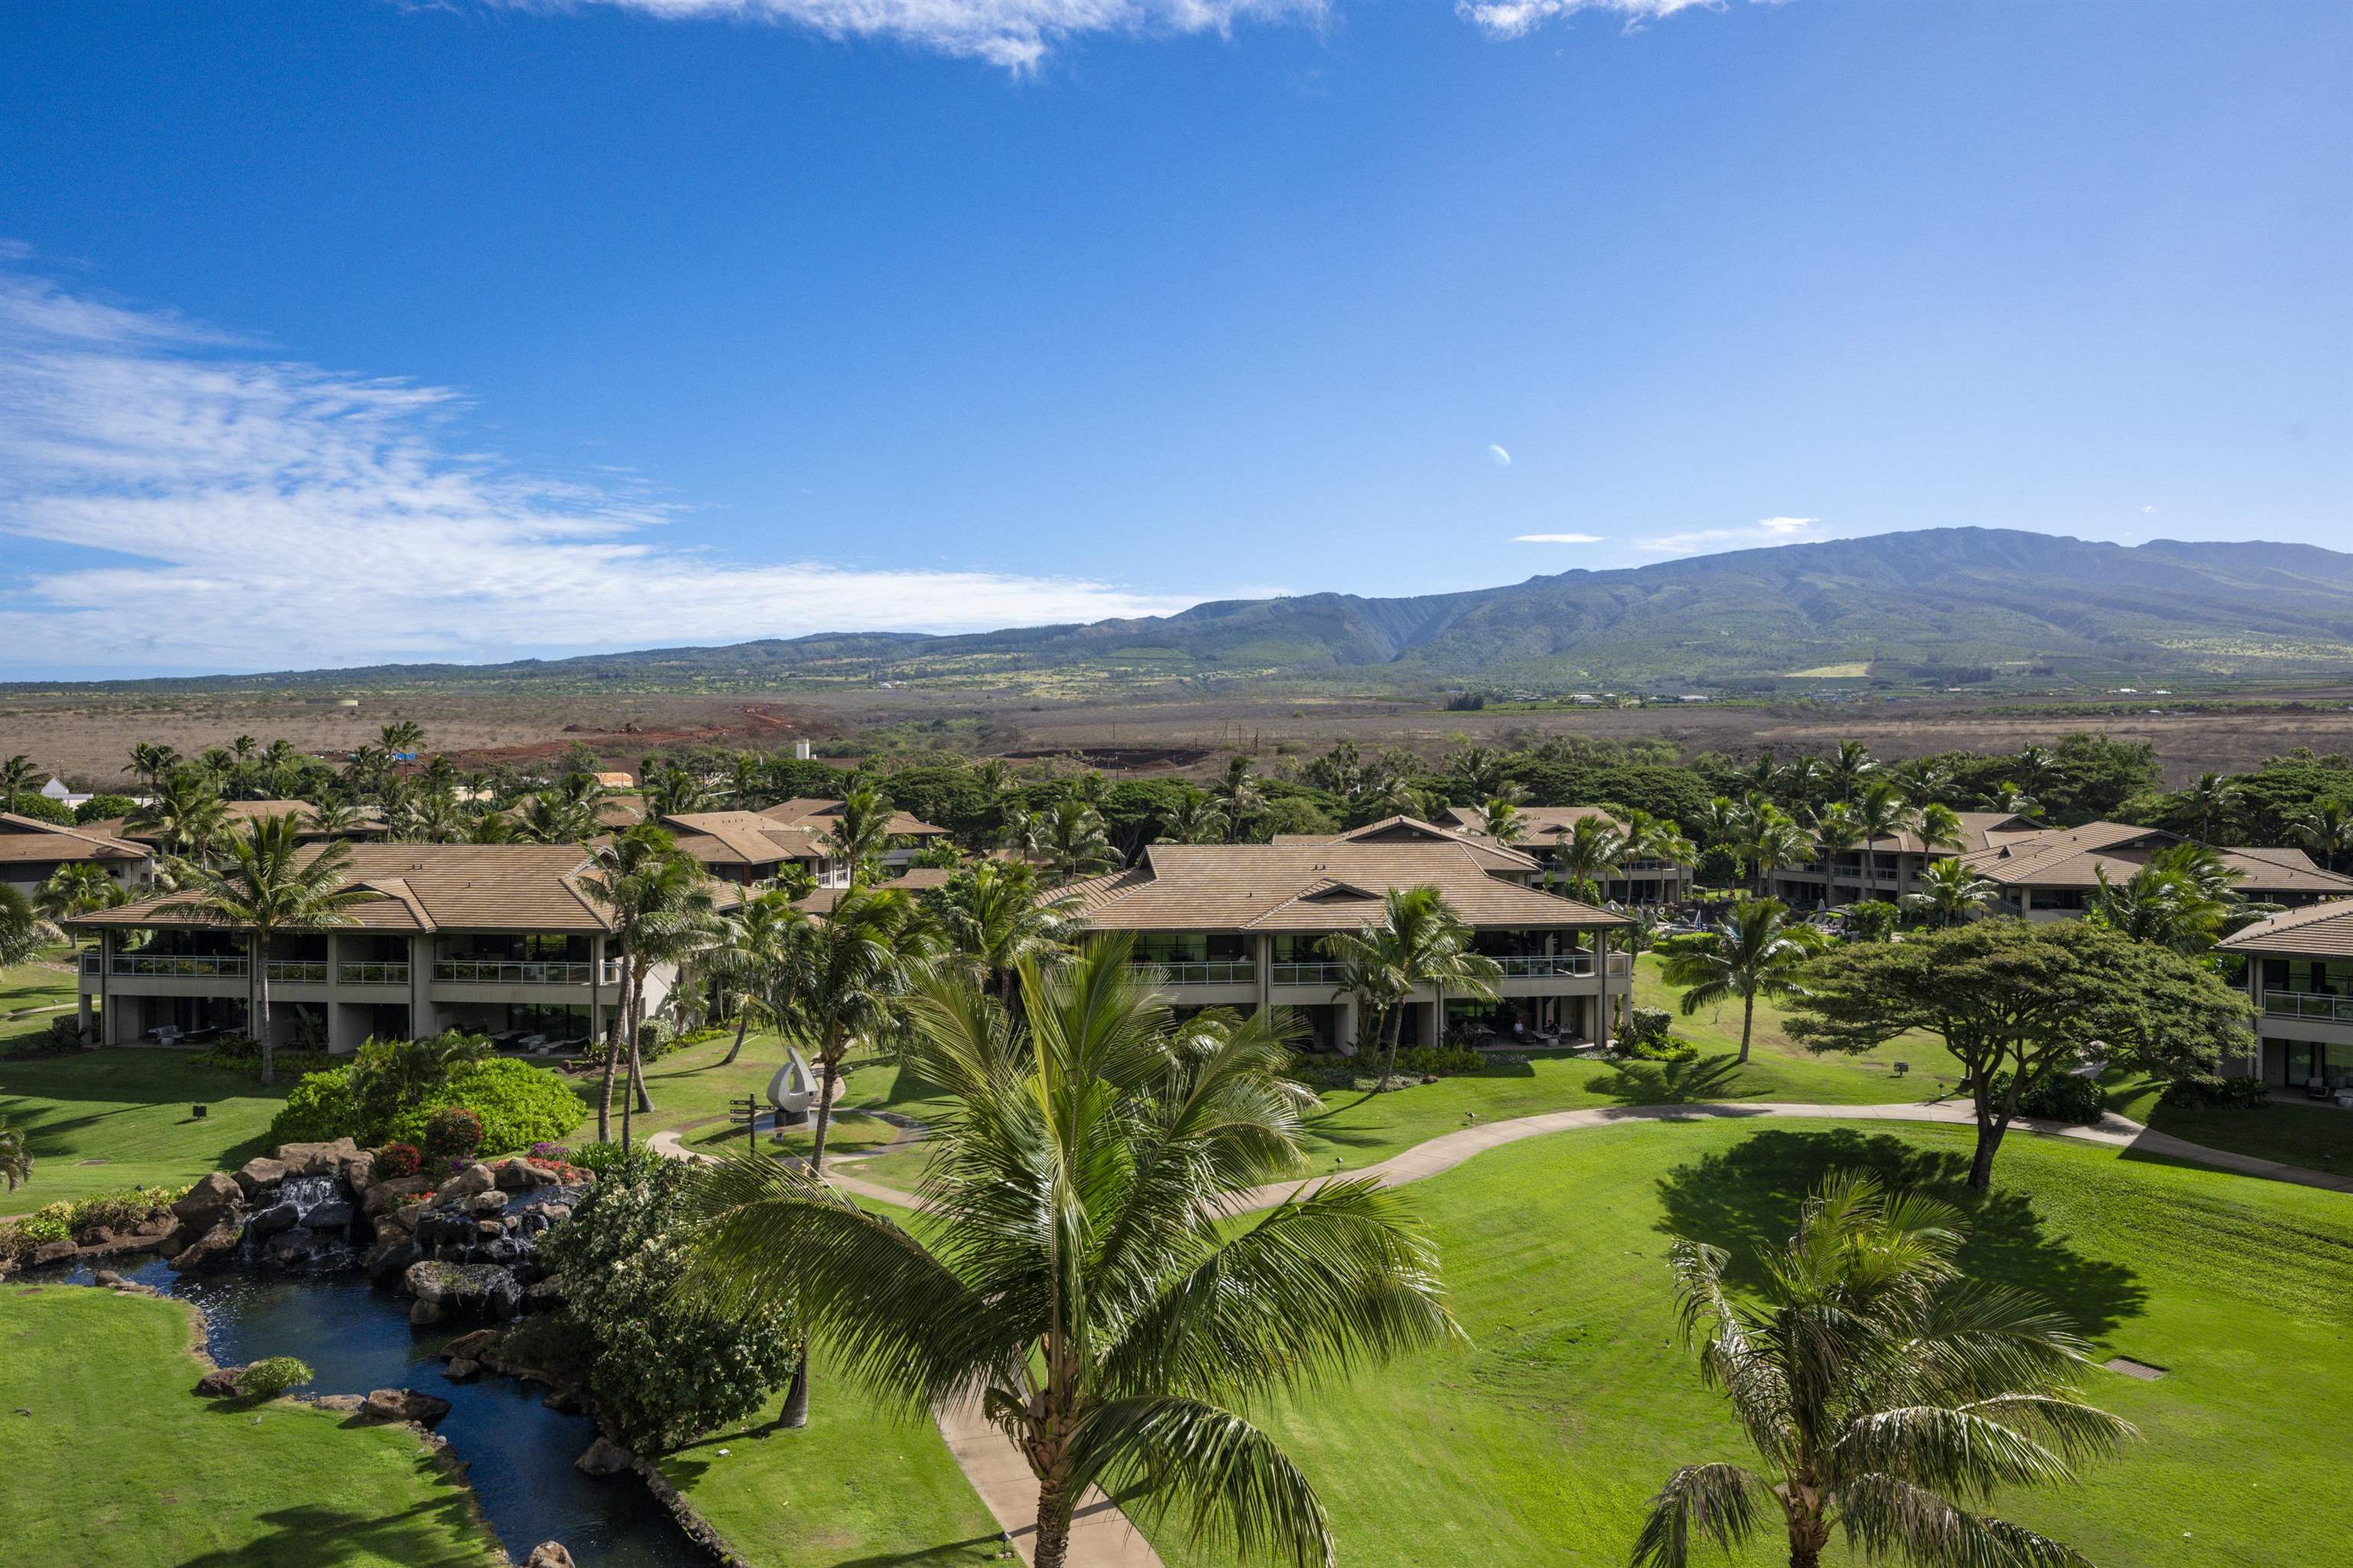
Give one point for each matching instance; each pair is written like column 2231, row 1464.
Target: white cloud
column 1766, row 530
column 1015, row 34
column 1517, row 18
column 2147, row 510
column 1498, row 456
column 1556, row 538
column 262, row 515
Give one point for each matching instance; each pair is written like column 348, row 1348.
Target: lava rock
column 269, row 1222
column 260, row 1174
column 548, row 1554
column 403, row 1405
column 327, row 1158
column 391, row 1259
column 51, row 1252
column 106, row 1279
column 470, row 1346
column 385, row 1197
column 462, row 1371
column 487, row 1204
column 329, row 1216
column 522, row 1175
column 564, row 1400
column 209, row 1203
column 209, row 1249
column 603, row 1457
column 219, row 1383
column 424, row 1314
column 473, row 1179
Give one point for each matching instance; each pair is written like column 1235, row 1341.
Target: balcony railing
column 372, row 974
column 1215, row 971
column 1546, row 966
column 93, row 963
column 1317, row 974
column 509, row 972
column 298, row 972
column 2308, row 1004
column 184, row 966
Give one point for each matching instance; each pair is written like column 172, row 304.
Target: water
column 518, row 1452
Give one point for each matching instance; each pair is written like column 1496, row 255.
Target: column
column 1262, row 957
column 1601, row 1033
column 1343, row 1029
column 82, row 1017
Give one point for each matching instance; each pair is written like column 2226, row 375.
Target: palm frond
column 1718, row 1503
column 1235, row 1485
column 1887, row 1517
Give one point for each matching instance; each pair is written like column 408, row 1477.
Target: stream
column 518, row 1452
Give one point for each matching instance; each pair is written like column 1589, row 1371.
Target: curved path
column 1102, row 1536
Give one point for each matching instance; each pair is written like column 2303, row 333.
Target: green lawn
column 692, row 1085
column 1542, row 1442
column 859, row 1484
column 2318, row 1136
column 120, row 1117
column 37, row 991
column 114, row 1459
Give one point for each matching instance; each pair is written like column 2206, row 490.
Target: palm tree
column 1837, row 829
column 1419, row 941
column 1883, row 813
column 674, row 792
column 1587, row 855
column 2214, row 800
column 1939, row 826
column 2326, row 830
column 1760, row 952
column 401, row 735
column 993, row 916
column 1851, row 767
column 1070, row 836
column 23, row 932
column 1505, row 823
column 860, row 831
column 2038, row 768
column 1878, row 1386
column 186, row 813
column 16, row 1158
column 1195, row 819
column 1951, row 892
column 563, row 814
column 1237, row 791
column 659, row 901
column 2014, row 798
column 151, row 763
column 1082, row 1274
column 849, row 973
column 268, row 882
column 18, row 777
column 749, row 956
column 1480, row 769
column 1773, row 841
column 75, row 888
column 1723, row 822
column 2182, row 899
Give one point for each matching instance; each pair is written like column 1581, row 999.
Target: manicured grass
column 861, row 1483
column 852, row 1130
column 48, row 983
column 118, row 1461
column 128, row 1108
column 2316, row 1136
column 692, row 1085
column 1542, row 1441
column 1716, row 1027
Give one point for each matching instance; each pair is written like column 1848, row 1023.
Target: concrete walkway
column 1102, row 1536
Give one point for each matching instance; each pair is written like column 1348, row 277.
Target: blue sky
column 342, row 330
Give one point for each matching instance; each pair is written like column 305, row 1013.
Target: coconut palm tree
column 1850, row 768
column 849, row 973
column 1837, row 829
column 2326, row 830
column 2214, row 801
column 1773, row 841
column 2182, row 899
column 566, row 813
column 660, row 903
column 1939, row 826
column 1070, row 836
column 1419, row 941
column 1951, row 892
column 860, row 833
column 23, row 932
column 151, row 763
column 749, row 956
column 1881, row 813
column 992, row 914
column 1761, row 951
column 185, row 814
column 674, row 792
column 16, row 1158
column 1084, row 1274
column 1881, row 1391
column 1195, row 819
column 401, row 735
column 1237, row 790
column 1505, row 823
column 1592, row 851
column 19, row 780
column 75, row 888
column 269, row 880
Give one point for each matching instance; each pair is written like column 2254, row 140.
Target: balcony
column 1317, row 974
column 372, row 974
column 2317, row 1006
column 509, row 972
column 182, row 966
column 1215, row 972
column 298, row 972
column 93, row 963
column 1546, row 966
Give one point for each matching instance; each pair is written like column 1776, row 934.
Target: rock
column 522, row 1176
column 350, row 1403
column 359, row 1171
column 329, row 1216
column 473, row 1179
column 108, row 1279
column 259, row 1172
column 556, row 1214
column 424, row 1314
column 482, row 1289
column 603, row 1457
column 566, row 1400
column 391, row 1258
column 207, row 1202
column 171, row 1244
column 50, row 1252
column 489, row 1204
column 548, row 1554
column 278, row 1217
column 403, row 1405
column 462, row 1371
column 489, row 1230
column 288, row 1246
column 472, row 1346
column 387, row 1197
column 219, row 1383
column 318, row 1159
column 210, row 1249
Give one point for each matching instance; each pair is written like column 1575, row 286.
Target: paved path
column 1102, row 1536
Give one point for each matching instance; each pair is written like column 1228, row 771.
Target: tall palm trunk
column 612, row 1061
column 1808, row 1531
column 1394, row 1028
column 742, row 1027
column 256, row 948
column 1747, row 1022
column 1055, row 1505
column 828, row 1074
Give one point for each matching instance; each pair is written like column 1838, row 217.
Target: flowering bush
column 453, row 1133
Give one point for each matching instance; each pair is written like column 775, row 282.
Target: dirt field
column 87, row 739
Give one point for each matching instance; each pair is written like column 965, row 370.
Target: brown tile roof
column 919, row 878
column 1309, row 887
column 2072, row 857
column 740, row 837
column 2320, row 932
column 435, row 887
column 29, row 839
column 1403, row 829
column 817, row 816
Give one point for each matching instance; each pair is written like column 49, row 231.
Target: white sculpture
column 792, row 1089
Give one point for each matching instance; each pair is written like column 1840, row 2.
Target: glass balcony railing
column 510, row 971
column 182, row 966
column 372, row 974
column 298, row 972
column 1546, row 966
column 2308, row 1004
column 1214, row 971
column 93, row 963
column 1314, row 974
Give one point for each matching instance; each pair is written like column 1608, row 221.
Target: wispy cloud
column 260, row 513
column 1556, row 538
column 1498, row 456
column 1766, row 531
column 1015, row 34
column 1517, row 18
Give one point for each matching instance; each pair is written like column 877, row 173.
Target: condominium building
column 1896, row 863
column 2053, row 874
column 31, row 850
column 1240, row 925
column 490, row 938
column 746, row 847
column 1542, row 828
column 2300, row 979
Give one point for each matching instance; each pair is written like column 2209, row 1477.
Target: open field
column 123, row 1118
column 112, row 1459
column 1542, row 1441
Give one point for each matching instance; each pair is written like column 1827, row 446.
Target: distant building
column 2300, row 979
column 32, row 850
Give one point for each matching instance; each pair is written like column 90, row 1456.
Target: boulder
column 219, row 1383
column 490, row 1204
column 332, row 1216
column 481, row 1289
column 548, row 1554
column 388, row 1197
column 106, row 1279
column 278, row 1217
column 473, row 1179
column 208, row 1250
column 261, row 1172
column 50, row 1252
column 603, row 1457
column 522, row 1176
column 462, row 1371
column 472, row 1346
column 359, row 1171
column 403, row 1405
column 318, row 1159
column 390, row 1258
column 424, row 1314
column 349, row 1403
column 207, row 1203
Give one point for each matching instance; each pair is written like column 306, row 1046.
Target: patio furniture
column 2314, row 1089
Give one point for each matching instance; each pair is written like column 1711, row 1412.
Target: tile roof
column 918, row 879
column 816, row 817
column 2072, row 857
column 741, row 838
column 438, row 887
column 2320, row 930
column 26, row 839
column 1309, row 887
column 1403, row 829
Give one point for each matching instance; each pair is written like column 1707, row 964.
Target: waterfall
column 307, row 1192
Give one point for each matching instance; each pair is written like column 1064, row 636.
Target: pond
column 518, row 1452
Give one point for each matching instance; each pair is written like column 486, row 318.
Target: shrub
column 1646, row 1025
column 1871, row 919
column 269, row 1378
column 394, row 1162
column 664, row 1370
column 1440, row 1061
column 452, row 1133
column 2206, row 1091
column 1673, row 1048
column 1716, row 867
column 43, row 809
column 518, row 1103
column 555, row 1153
column 104, row 808
column 318, row 1108
column 2062, row 1097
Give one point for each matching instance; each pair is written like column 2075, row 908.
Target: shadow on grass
column 1701, row 1079
column 1746, row 1200
column 426, row 1535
